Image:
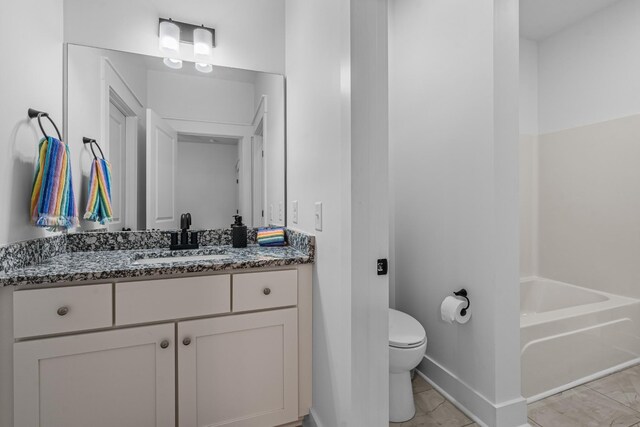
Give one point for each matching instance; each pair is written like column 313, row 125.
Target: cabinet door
column 122, row 378
column 239, row 370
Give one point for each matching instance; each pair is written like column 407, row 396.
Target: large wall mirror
column 179, row 140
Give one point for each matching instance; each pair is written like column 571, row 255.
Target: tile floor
column 610, row 401
column 432, row 409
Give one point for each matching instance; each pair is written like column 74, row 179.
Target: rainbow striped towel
column 99, row 203
column 52, row 201
column 271, row 237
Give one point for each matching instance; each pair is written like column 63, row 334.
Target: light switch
column 294, row 212
column 280, row 212
column 318, row 216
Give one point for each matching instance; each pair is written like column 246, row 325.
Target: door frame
column 260, row 127
column 116, row 91
column 243, row 133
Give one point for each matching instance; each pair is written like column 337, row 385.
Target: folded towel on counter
column 52, row 200
column 99, row 200
column 271, row 237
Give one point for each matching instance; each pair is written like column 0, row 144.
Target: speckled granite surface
column 22, row 254
column 103, row 256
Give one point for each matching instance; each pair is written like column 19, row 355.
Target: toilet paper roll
column 451, row 309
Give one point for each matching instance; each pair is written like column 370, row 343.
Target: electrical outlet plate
column 271, row 213
column 280, row 212
column 318, row 216
column 294, row 211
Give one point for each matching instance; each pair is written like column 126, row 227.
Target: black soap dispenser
column 238, row 233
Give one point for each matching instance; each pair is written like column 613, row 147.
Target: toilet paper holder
column 463, row 293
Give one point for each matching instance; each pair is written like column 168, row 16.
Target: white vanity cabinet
column 122, row 377
column 238, row 370
column 215, row 350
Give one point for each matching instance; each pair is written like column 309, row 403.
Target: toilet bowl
column 407, row 345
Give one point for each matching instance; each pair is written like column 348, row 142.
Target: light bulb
column 204, row 68
column 176, row 64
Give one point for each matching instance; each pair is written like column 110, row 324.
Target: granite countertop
column 102, row 265
column 55, row 262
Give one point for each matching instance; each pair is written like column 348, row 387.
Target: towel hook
column 463, row 293
column 38, row 114
column 91, row 143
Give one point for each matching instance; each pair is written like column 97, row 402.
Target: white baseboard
column 312, row 420
column 473, row 404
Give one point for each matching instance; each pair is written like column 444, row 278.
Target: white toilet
column 407, row 345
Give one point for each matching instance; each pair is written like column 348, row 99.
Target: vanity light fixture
column 172, row 33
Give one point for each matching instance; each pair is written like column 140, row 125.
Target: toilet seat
column 405, row 331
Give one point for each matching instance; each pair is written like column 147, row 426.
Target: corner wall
column 318, row 145
column 337, row 154
column 453, row 147
column 31, row 77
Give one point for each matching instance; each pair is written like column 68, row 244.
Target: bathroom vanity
column 102, row 339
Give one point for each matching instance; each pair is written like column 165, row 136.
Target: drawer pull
column 266, row 291
column 186, row 341
column 62, row 311
column 164, row 344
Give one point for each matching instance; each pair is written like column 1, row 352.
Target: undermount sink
column 189, row 258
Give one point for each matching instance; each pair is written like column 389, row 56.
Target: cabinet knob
column 186, row 341
column 62, row 311
column 164, row 344
column 266, row 291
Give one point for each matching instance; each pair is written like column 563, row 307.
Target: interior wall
column 588, row 73
column 336, row 142
column 24, row 84
column 318, row 170
column 590, row 206
column 453, row 117
column 590, row 138
column 249, row 33
column 528, row 157
column 206, row 185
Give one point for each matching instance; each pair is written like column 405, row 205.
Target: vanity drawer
column 58, row 310
column 168, row 299
column 258, row 291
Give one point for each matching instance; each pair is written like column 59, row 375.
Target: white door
column 118, row 160
column 257, row 185
column 119, row 378
column 239, row 371
column 162, row 158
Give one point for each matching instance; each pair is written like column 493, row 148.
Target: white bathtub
column 571, row 335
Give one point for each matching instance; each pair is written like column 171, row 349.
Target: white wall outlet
column 271, row 213
column 280, row 212
column 318, row 216
column 294, row 211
